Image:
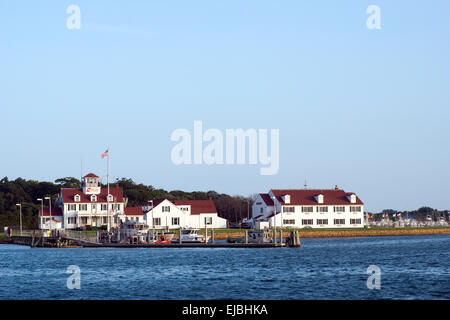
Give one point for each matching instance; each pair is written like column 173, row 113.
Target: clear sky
column 367, row 110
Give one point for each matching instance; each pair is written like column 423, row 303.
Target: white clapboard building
column 174, row 214
column 308, row 208
column 77, row 208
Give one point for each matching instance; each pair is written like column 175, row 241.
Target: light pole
column 42, row 206
column 50, row 212
column 151, row 201
column 20, row 212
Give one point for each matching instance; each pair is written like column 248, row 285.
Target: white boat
column 190, row 235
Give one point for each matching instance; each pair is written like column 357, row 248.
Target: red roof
column 90, row 175
column 134, row 211
column 68, row 195
column 56, row 212
column 266, row 198
column 198, row 206
column 306, row 197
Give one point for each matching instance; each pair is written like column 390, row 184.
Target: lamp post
column 50, row 211
column 42, row 206
column 151, row 201
column 20, row 212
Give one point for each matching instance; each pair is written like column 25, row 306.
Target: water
column 412, row 267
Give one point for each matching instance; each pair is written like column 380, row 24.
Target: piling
column 212, row 235
column 246, row 236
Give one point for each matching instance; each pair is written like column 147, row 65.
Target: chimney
column 336, row 188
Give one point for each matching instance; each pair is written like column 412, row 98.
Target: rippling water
column 412, row 267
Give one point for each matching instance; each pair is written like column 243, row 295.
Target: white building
column 77, row 208
column 161, row 214
column 308, row 208
column 88, row 206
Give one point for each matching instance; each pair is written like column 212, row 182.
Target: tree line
column 26, row 192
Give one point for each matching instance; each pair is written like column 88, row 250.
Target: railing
column 79, row 235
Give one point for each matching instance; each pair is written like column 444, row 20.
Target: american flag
column 106, row 154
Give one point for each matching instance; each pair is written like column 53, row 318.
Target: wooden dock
column 185, row 245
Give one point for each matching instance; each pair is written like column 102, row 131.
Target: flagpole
column 107, row 196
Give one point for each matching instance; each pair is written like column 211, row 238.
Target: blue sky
column 367, row 110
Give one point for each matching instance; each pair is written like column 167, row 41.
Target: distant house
column 309, row 208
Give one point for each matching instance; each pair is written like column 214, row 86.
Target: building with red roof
column 309, row 208
column 90, row 205
column 161, row 214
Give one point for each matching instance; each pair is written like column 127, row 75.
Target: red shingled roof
column 266, row 198
column 134, row 211
column 305, row 197
column 56, row 212
column 68, row 195
column 90, row 175
column 198, row 206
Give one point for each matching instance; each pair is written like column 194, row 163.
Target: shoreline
column 314, row 233
column 349, row 233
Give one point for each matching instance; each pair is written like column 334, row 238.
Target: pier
column 70, row 239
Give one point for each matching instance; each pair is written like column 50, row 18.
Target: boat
column 190, row 235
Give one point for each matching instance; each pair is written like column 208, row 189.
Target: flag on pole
column 106, row 154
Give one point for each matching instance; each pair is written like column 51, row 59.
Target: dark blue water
column 412, row 267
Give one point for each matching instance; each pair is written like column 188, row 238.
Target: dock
column 70, row 239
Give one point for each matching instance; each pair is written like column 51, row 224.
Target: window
column 115, row 220
column 289, row 221
column 208, row 220
column 71, row 207
column 156, row 221
column 105, row 220
column 77, row 198
column 355, row 209
column 307, row 209
column 322, row 221
column 104, row 207
column 118, row 206
column 94, row 206
column 83, row 220
column 175, row 221
column 339, row 209
column 182, row 209
column 82, row 207
column 289, row 209
column 72, row 220
column 93, row 198
column 258, row 203
column 322, row 209
column 261, row 210
column 306, row 222
column 166, row 209
column 110, row 198
column 339, row 221
column 355, row 221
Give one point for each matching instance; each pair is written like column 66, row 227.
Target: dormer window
column 110, row 198
column 93, row 198
column 352, row 198
column 286, row 198
column 76, row 198
column 319, row 198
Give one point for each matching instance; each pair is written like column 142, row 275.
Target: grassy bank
column 222, row 234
